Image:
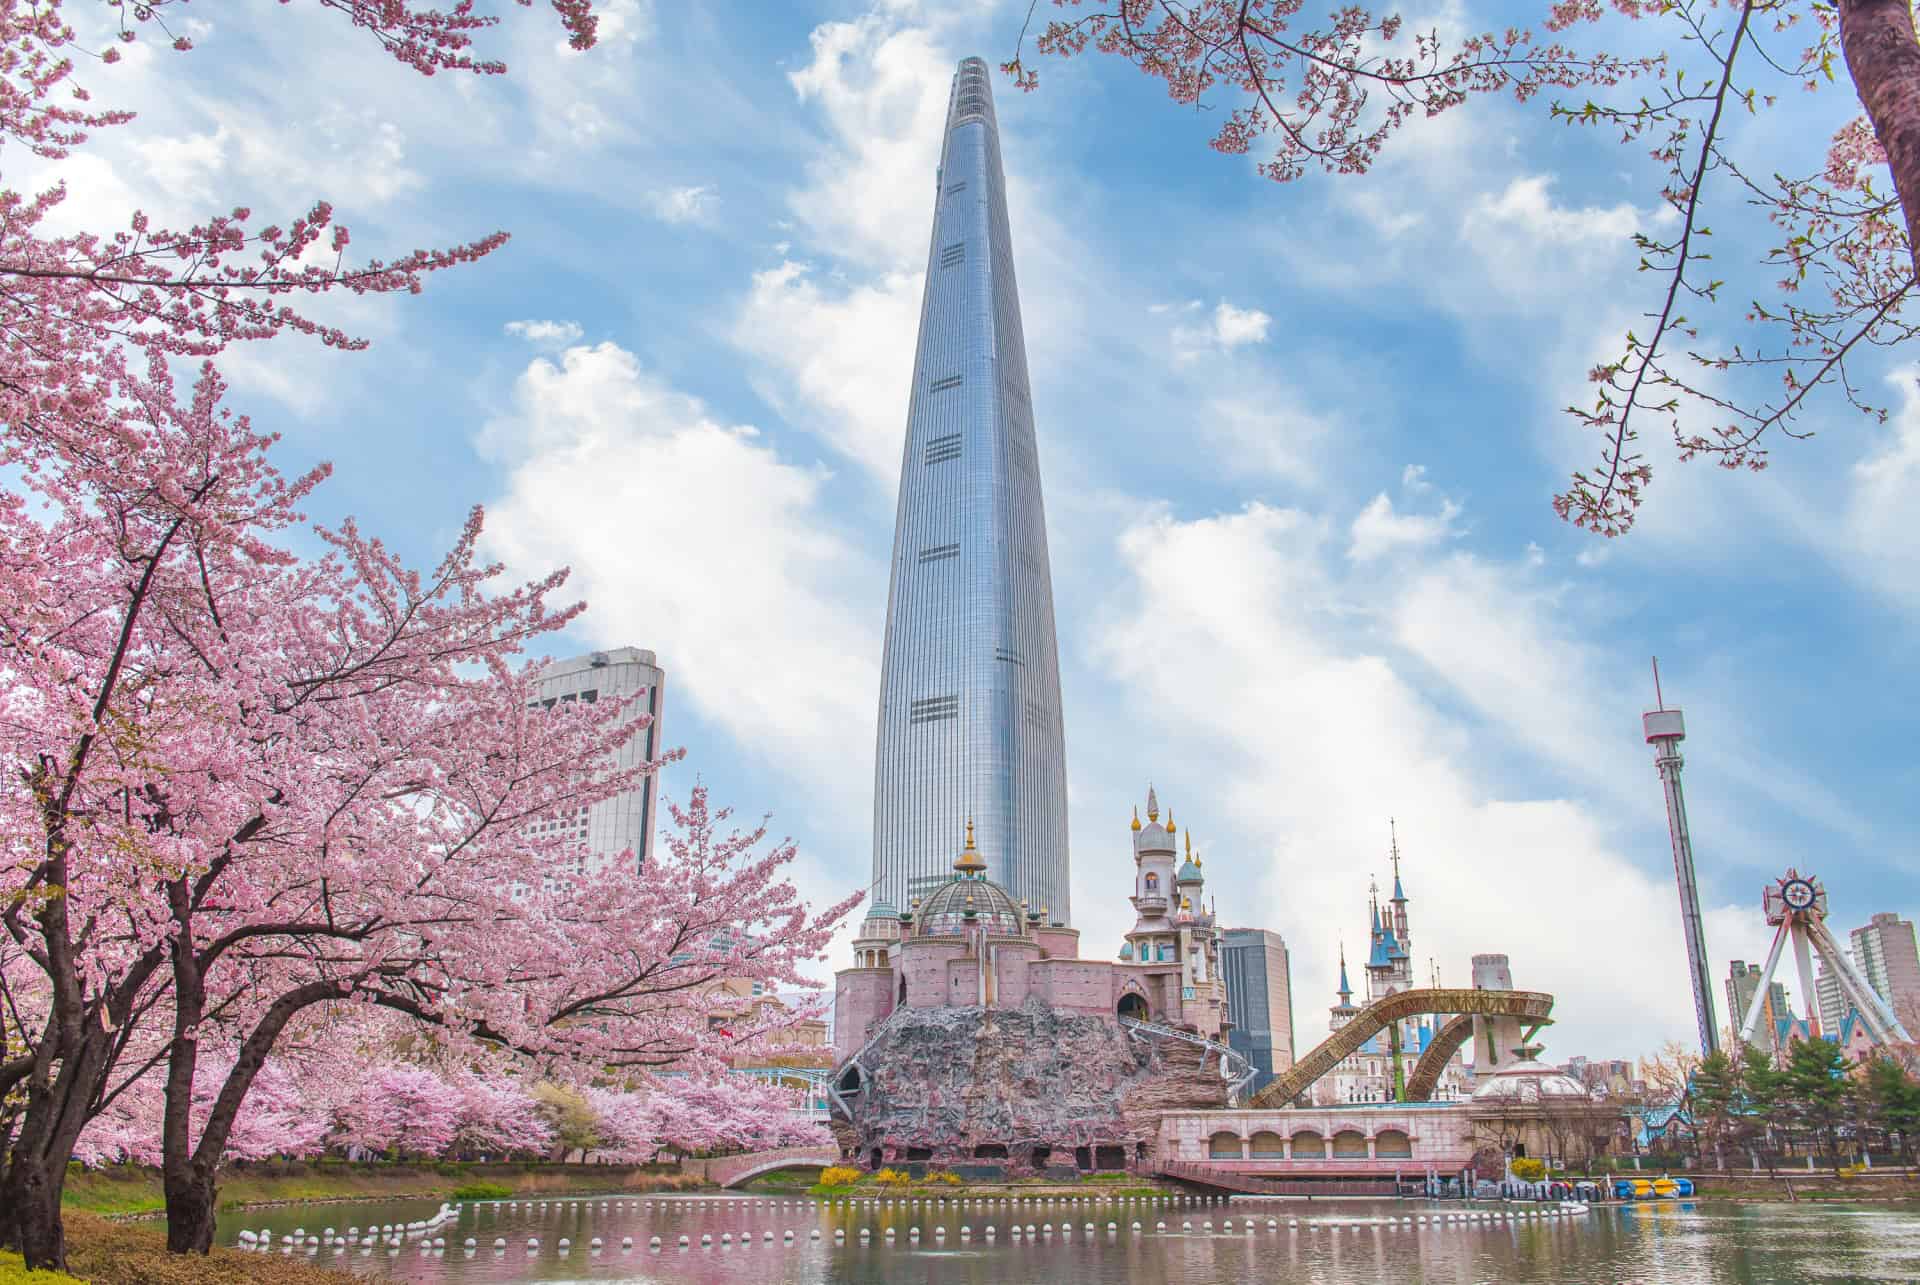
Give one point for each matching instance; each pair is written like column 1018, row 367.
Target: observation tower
column 1665, row 729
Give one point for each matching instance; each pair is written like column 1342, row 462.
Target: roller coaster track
column 1532, row 1007
column 1235, row 1069
column 1426, row 1072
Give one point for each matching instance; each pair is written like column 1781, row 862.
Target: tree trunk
column 190, row 1209
column 1883, row 57
column 31, row 1197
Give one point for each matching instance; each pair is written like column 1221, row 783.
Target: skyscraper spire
column 969, row 720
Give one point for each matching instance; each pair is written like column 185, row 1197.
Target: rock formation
column 1017, row 1090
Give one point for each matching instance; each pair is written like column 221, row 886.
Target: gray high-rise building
column 970, row 721
column 1255, row 968
column 1833, row 1003
column 625, row 822
column 1885, row 954
column 1743, row 979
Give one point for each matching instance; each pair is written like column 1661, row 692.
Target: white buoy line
column 393, row 1236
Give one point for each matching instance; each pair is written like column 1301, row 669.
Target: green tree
column 575, row 1126
column 1893, row 1102
column 1762, row 1090
column 1816, row 1090
column 1714, row 1098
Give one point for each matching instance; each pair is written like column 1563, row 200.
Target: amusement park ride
column 1796, row 905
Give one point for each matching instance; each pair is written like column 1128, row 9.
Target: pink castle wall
column 862, row 997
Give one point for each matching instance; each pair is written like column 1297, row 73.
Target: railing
column 1242, row 1071
column 834, row 1076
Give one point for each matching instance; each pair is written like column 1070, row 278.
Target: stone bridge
column 731, row 1171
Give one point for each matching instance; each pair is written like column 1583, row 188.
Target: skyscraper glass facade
column 970, row 722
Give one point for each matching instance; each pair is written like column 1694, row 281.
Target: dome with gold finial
column 968, row 900
column 1190, row 869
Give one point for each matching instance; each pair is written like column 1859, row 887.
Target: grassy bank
column 108, row 1253
column 122, row 1190
column 1799, row 1184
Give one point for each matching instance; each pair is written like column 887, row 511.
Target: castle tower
column 1344, row 1010
column 969, row 720
column 1155, row 896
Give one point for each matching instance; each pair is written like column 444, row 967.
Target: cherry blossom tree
column 399, row 1110
column 241, row 783
column 1725, row 372
column 497, row 1116
column 286, row 1115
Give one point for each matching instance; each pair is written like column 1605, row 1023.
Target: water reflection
column 988, row 1242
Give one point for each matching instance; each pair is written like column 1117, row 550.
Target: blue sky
column 1298, row 444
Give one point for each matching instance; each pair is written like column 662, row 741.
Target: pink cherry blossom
column 253, row 791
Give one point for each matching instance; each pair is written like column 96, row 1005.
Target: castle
column 968, row 944
column 1375, row 1071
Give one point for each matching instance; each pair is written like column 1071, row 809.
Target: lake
column 1310, row 1241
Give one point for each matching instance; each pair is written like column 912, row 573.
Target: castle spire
column 1153, row 803
column 1346, row 991
column 1399, row 893
column 970, row 862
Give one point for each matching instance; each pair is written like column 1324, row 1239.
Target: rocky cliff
column 1023, row 1089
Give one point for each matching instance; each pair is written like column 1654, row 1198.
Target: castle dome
column 1528, row 1082
column 969, row 900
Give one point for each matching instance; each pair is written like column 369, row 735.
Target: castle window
column 1153, row 883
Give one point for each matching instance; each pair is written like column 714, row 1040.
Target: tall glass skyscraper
column 970, row 682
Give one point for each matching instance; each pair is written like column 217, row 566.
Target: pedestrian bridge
column 731, row 1171
column 1530, row 1008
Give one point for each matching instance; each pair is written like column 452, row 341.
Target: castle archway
column 1268, row 1145
column 1133, row 1007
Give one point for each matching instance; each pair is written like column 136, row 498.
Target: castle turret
column 1154, row 895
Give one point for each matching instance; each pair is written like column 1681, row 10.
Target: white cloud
column 883, row 91
column 694, row 538
column 1880, row 507
column 1379, row 529
column 1526, row 206
column 555, row 333
column 683, row 204
column 1252, row 679
column 1235, row 326
column 1227, row 327
column 840, row 361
